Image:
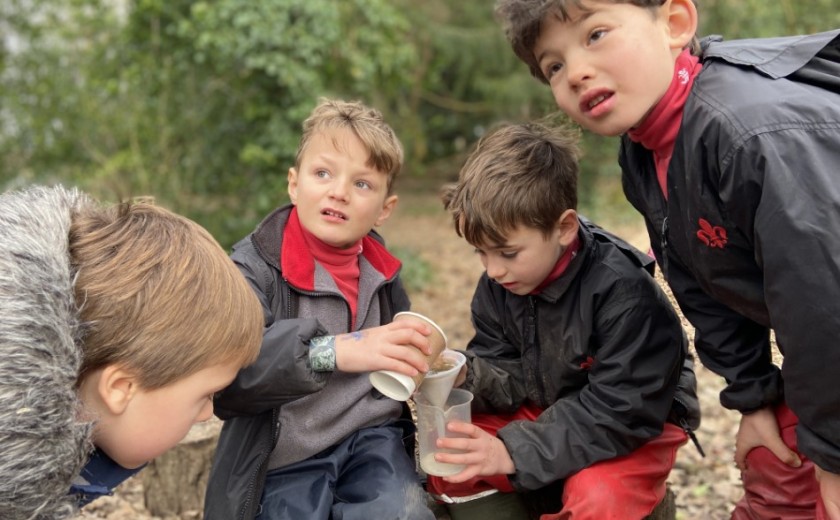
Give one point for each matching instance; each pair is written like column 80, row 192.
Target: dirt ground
column 706, row 488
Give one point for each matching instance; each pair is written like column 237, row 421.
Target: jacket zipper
column 532, row 344
column 663, row 240
column 683, row 423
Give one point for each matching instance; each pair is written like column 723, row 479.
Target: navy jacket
column 748, row 238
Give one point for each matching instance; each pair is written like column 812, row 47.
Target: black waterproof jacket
column 601, row 349
column 250, row 406
column 748, row 238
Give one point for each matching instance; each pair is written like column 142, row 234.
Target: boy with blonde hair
column 119, row 324
column 305, row 434
column 579, row 364
column 730, row 151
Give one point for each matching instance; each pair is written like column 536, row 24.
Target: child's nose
column 578, row 70
column 339, row 190
column 495, row 270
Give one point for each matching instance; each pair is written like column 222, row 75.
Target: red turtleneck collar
column 301, row 249
column 658, row 131
column 561, row 265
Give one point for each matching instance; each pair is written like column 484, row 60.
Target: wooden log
column 667, row 509
column 174, row 483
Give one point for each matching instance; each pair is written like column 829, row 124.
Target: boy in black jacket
column 729, row 150
column 579, row 364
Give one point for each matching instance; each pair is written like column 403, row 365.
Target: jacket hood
column 43, row 445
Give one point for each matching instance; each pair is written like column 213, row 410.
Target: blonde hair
column 385, row 149
column 517, row 174
column 522, row 22
column 158, row 294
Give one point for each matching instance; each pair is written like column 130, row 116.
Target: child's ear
column 292, row 177
column 387, row 208
column 682, row 22
column 567, row 227
column 116, row 388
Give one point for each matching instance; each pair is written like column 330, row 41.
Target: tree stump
column 667, row 509
column 174, row 483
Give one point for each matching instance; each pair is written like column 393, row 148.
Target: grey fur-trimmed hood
column 43, row 446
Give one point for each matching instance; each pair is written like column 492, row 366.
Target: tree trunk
column 667, row 509
column 174, row 483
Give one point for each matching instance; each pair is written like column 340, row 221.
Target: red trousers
column 774, row 490
column 624, row 488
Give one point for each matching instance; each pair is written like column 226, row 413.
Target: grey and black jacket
column 600, row 350
column 281, row 386
column 43, row 444
column 748, row 237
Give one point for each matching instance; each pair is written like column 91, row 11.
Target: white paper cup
column 393, row 384
column 400, row 386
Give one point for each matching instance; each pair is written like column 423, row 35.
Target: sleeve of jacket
column 728, row 344
column 281, row 372
column 495, row 374
column 797, row 246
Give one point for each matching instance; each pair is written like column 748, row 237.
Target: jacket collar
column 774, row 57
column 273, row 240
column 553, row 291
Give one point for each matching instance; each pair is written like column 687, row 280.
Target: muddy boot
column 507, row 506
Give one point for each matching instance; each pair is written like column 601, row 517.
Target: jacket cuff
column 747, row 397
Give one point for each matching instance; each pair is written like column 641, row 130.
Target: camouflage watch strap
column 322, row 353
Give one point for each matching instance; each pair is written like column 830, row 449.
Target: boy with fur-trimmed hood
column 119, row 324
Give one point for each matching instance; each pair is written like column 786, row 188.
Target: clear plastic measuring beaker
column 431, row 425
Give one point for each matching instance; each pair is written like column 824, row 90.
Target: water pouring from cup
column 441, row 377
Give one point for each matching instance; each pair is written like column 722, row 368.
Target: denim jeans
column 368, row 475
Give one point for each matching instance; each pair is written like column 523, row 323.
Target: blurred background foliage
column 199, row 103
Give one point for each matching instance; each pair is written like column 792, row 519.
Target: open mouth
column 592, row 101
column 595, row 102
column 333, row 214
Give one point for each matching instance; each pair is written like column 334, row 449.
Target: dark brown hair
column 522, row 23
column 517, row 174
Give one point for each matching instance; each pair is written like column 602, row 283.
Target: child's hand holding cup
column 400, row 386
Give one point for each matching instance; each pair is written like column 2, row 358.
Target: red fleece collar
column 298, row 263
